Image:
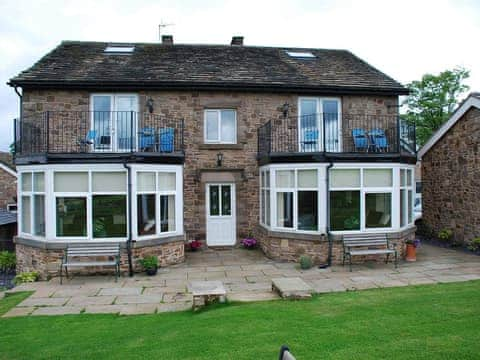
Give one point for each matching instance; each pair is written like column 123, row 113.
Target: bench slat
column 371, row 252
column 96, row 263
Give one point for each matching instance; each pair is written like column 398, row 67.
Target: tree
column 433, row 99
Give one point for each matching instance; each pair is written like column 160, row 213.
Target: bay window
column 406, row 197
column 220, row 126
column 32, row 202
column 265, row 197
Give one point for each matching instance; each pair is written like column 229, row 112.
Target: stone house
column 155, row 145
column 8, row 201
column 451, row 173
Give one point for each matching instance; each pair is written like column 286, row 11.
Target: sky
column 405, row 39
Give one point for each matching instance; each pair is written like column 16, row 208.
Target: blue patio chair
column 147, row 138
column 360, row 139
column 166, row 139
column 310, row 140
column 379, row 140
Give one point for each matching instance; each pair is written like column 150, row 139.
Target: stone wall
column 8, row 189
column 451, row 180
column 46, row 257
column 290, row 247
column 253, row 110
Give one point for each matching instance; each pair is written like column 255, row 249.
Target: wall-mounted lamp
column 285, row 109
column 149, row 105
column 219, row 159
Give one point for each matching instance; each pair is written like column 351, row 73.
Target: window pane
column 39, row 215
column 226, row 200
column 27, row 181
column 307, row 178
column 214, row 200
column 403, row 208
column 39, row 182
column 228, row 126
column 212, row 125
column 71, row 182
column 109, row 182
column 410, row 206
column 166, row 181
column 409, row 177
column 262, row 206
column 378, row 210
column 267, row 207
column 71, row 216
column 344, row 178
column 167, row 213
column 26, row 213
column 109, row 216
column 308, row 210
column 145, row 181
column 377, row 177
column 402, row 177
column 285, row 209
column 267, row 179
column 146, row 214
column 345, row 210
column 285, row 178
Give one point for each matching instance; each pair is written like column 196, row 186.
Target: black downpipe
column 20, row 95
column 129, row 219
column 328, row 215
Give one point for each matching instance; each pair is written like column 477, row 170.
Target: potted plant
column 249, row 242
column 195, row 245
column 305, row 262
column 150, row 265
column 412, row 249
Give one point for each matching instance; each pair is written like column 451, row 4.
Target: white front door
column 221, row 222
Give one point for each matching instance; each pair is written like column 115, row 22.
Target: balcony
column 336, row 137
column 92, row 135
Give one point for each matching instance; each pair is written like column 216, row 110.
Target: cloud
column 405, row 40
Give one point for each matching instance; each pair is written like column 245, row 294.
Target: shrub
column 149, row 262
column 305, row 262
column 8, row 260
column 26, row 277
column 445, row 235
column 474, row 244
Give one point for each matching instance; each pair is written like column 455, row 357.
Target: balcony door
column 114, row 122
column 319, row 118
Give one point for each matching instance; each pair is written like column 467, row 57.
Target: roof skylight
column 119, row 49
column 300, row 54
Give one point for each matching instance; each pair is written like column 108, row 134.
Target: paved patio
column 246, row 276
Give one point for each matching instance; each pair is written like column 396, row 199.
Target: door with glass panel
column 221, row 223
column 113, row 123
column 319, row 118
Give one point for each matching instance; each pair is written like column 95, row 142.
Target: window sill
column 220, row 146
column 293, row 234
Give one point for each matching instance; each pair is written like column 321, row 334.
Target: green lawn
column 423, row 322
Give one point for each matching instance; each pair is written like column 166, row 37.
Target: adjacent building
column 451, row 173
column 155, row 145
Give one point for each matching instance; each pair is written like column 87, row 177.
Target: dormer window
column 119, row 49
column 300, row 54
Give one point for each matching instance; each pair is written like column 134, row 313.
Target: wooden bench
column 367, row 244
column 75, row 252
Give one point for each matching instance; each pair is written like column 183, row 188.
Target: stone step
column 292, row 288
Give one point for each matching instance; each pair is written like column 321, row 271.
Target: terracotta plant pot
column 411, row 253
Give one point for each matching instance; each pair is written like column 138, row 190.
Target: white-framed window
column 406, row 197
column 265, row 197
column 90, row 204
column 156, row 197
column 32, row 203
column 220, row 126
column 294, row 195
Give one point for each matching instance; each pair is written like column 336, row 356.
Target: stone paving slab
column 43, row 302
column 91, row 300
column 139, row 299
column 86, row 291
column 252, row 296
column 294, row 288
column 138, row 309
column 103, row 309
column 180, row 306
column 19, row 311
column 57, row 310
column 121, row 291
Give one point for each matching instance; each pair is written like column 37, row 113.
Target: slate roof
column 7, row 217
column 7, row 159
column 154, row 65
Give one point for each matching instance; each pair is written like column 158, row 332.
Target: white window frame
column 407, row 188
column 178, row 193
column 113, row 121
column 319, row 120
column 31, row 194
column 264, row 199
column 219, row 126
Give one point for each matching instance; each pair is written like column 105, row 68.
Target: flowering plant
column 415, row 242
column 195, row 245
column 249, row 242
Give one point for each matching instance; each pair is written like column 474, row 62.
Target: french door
column 221, row 217
column 114, row 122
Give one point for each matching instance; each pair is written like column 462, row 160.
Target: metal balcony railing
column 70, row 132
column 336, row 133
